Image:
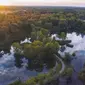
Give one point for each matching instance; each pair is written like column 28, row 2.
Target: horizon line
column 44, row 6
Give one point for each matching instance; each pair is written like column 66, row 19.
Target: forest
column 38, row 24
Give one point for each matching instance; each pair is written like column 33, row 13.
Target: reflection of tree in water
column 49, row 61
column 18, row 60
column 36, row 64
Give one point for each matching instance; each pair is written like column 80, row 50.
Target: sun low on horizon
column 43, row 2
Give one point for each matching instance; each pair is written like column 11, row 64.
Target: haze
column 80, row 3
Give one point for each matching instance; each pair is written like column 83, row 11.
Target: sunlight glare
column 4, row 2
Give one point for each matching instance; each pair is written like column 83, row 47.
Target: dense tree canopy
column 18, row 24
column 39, row 24
column 39, row 52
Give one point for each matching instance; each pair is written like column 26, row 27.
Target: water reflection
column 79, row 48
column 79, row 62
column 9, row 72
column 77, row 40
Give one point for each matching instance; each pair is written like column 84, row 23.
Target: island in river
column 39, row 24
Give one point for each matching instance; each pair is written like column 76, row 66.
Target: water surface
column 9, row 72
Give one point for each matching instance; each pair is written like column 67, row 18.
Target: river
column 9, row 72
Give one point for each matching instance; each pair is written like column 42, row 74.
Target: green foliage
column 46, row 40
column 31, row 81
column 58, row 68
column 41, row 76
column 33, row 35
column 81, row 76
column 16, row 45
column 41, row 46
column 67, row 58
column 17, row 48
column 39, row 34
column 33, row 49
column 52, row 46
column 68, row 72
column 47, row 25
column 44, row 32
column 17, row 83
column 62, row 35
column 55, row 20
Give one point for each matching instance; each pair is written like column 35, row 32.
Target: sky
column 44, row 2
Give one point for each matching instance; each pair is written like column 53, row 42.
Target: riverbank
column 53, row 74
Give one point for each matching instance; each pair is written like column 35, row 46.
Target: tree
column 69, row 72
column 40, row 35
column 17, row 83
column 18, row 60
column 82, row 76
column 46, row 40
column 62, row 35
column 67, row 58
column 17, row 48
column 31, row 81
column 47, row 25
column 33, row 36
column 33, row 49
column 52, row 47
column 45, row 32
